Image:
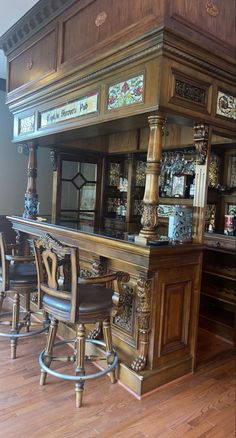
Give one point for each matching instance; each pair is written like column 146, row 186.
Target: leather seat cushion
column 93, row 299
column 23, row 273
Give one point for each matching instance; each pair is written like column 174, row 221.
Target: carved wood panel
column 206, row 16
column 33, row 62
column 105, row 19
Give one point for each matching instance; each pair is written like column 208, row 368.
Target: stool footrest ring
column 73, row 377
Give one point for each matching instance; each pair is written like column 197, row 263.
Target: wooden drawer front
column 34, row 62
column 220, row 242
column 101, row 20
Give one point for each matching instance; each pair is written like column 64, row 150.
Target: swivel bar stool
column 79, row 301
column 18, row 277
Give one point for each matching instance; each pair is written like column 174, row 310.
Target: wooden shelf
column 176, row 201
column 220, row 272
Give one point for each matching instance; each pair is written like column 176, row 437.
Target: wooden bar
column 136, row 100
column 157, row 341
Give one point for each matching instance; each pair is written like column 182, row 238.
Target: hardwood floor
column 196, row 406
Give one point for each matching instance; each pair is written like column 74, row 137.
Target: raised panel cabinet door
column 84, row 29
column 176, row 313
column 175, row 308
column 34, row 62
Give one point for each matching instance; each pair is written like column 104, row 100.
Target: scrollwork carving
column 53, row 158
column 99, row 267
column 149, row 217
column 125, row 319
column 144, row 312
column 190, row 92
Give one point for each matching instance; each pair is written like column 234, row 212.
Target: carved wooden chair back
column 53, row 259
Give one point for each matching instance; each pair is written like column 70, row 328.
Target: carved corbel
column 99, row 267
column 201, row 143
column 144, row 313
column 53, row 158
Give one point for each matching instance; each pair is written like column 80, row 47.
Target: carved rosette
column 212, row 8
column 201, row 143
column 144, row 312
column 149, row 218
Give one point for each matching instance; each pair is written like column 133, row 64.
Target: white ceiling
column 10, row 12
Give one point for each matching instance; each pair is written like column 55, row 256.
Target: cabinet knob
column 218, row 244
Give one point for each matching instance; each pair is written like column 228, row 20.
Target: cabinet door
column 78, row 199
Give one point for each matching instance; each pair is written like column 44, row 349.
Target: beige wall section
column 13, row 168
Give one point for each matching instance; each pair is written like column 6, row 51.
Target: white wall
column 13, row 169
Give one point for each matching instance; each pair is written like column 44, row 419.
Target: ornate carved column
column 202, row 139
column 149, row 219
column 31, row 196
column 144, row 312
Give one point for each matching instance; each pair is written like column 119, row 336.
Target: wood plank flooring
column 196, row 406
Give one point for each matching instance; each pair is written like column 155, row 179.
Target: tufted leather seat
column 23, row 273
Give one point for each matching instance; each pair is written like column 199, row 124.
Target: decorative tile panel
column 77, row 108
column 226, row 105
column 126, row 93
column 26, row 124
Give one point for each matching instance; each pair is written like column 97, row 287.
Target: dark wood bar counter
column 156, row 333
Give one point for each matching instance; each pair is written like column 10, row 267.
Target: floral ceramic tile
column 126, row 93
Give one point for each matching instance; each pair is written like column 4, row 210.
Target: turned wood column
column 149, row 218
column 202, row 140
column 31, row 196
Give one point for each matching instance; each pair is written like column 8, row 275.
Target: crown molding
column 34, row 20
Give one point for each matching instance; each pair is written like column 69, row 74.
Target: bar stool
column 79, row 302
column 17, row 276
